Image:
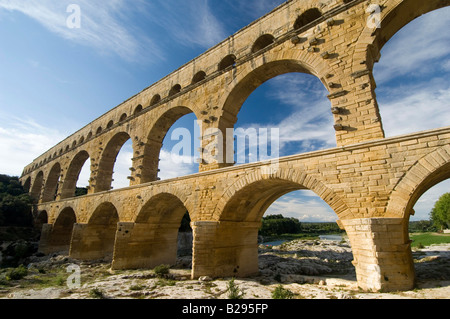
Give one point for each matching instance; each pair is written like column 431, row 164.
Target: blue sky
column 54, row 80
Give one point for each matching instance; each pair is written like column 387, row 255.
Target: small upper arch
column 307, row 17
column 229, row 60
column 263, row 41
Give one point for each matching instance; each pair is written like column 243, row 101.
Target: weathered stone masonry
column 371, row 182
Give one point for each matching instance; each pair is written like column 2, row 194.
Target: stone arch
column 51, row 184
column 263, row 41
column 27, row 184
column 252, row 79
column 268, row 188
column 427, row 172
column 153, row 239
column 392, row 20
column 95, row 240
column 241, row 208
column 137, row 110
column 41, row 219
column 73, row 173
column 227, row 62
column 198, row 77
column 61, row 233
column 150, row 160
column 307, row 17
column 155, row 99
column 123, row 117
column 175, row 90
column 37, row 185
column 107, row 161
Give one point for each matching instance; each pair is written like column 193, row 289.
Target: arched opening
column 27, row 185
column 70, row 187
column 242, row 217
column 61, row 234
column 137, row 110
column 110, row 124
column 123, row 117
column 155, row 100
column 101, row 232
column 198, row 77
column 177, row 157
column 81, row 141
column 175, row 89
column 41, row 219
column 37, row 186
column 108, row 159
column 158, row 236
column 228, row 61
column 99, row 130
column 428, row 227
column 51, row 184
column 123, row 166
column 280, row 109
column 263, row 41
column 307, row 17
column 412, row 85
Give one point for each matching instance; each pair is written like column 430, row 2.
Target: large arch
column 37, row 186
column 239, row 214
column 51, row 184
column 392, row 20
column 57, row 237
column 95, row 240
column 250, row 79
column 107, row 161
column 73, row 172
column 427, row 172
column 155, row 138
column 153, row 239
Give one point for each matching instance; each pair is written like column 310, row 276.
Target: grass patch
column 420, row 240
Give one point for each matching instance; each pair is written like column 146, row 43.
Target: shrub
column 282, row 293
column 96, row 293
column 17, row 273
column 161, row 270
column 234, row 292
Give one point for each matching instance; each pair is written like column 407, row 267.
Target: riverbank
column 310, row 269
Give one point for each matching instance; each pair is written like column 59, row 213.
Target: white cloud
column 172, row 165
column 303, row 205
column 416, row 109
column 189, row 22
column 105, row 25
column 22, row 140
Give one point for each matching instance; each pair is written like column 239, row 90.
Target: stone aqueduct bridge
column 370, row 181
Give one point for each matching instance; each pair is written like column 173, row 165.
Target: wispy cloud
column 417, row 45
column 189, row 22
column 21, row 139
column 303, row 205
column 105, row 25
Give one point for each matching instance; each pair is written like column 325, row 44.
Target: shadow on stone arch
column 153, row 239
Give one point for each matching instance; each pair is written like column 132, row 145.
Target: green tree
column 278, row 225
column 15, row 203
column 440, row 214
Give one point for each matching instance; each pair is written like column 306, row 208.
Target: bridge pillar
column 53, row 240
column 223, row 249
column 91, row 242
column 382, row 253
column 141, row 245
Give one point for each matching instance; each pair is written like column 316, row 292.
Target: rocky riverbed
column 309, row 269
